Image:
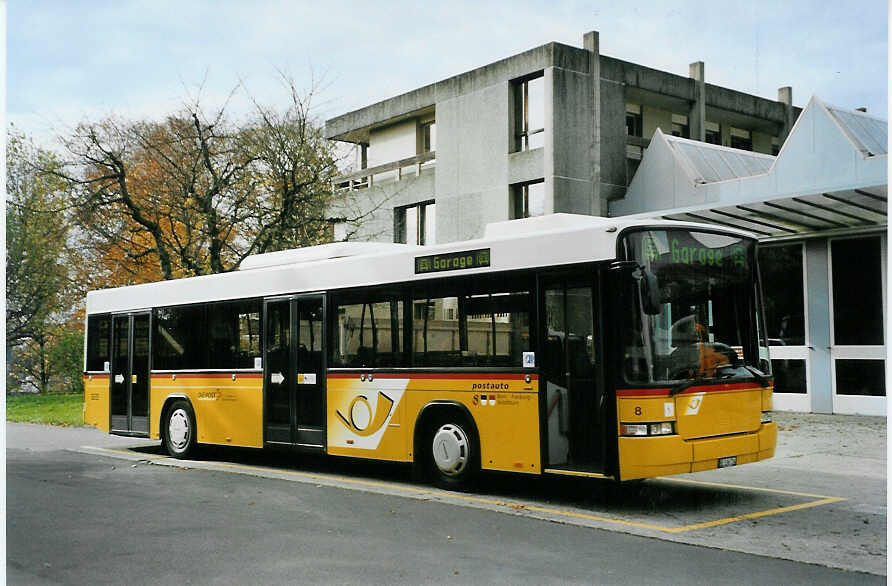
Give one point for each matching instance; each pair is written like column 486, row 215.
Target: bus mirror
column 649, row 289
column 648, row 285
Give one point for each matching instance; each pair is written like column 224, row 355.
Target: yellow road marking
column 516, row 506
column 776, row 511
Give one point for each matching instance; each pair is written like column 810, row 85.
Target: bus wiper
column 760, row 376
column 682, row 386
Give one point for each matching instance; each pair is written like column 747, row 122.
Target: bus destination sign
column 452, row 261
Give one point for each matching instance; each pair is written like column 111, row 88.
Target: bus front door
column 130, row 374
column 294, row 375
column 568, row 365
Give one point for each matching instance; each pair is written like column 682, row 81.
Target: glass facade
column 861, row 377
column 782, row 284
column 789, row 376
column 857, row 292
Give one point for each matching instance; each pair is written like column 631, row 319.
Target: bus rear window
column 98, row 342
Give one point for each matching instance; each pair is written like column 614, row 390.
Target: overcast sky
column 70, row 61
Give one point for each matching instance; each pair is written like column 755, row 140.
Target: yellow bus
column 563, row 344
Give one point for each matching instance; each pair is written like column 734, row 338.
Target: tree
column 36, row 232
column 51, row 361
column 41, row 336
column 197, row 193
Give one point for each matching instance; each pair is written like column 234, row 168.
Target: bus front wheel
column 179, row 430
column 453, row 454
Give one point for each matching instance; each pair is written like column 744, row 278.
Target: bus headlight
column 647, row 429
column 766, row 417
column 633, row 429
column 664, row 428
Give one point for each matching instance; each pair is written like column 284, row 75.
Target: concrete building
column 564, row 129
column 553, row 129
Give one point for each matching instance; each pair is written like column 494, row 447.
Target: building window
column 783, row 285
column 861, row 377
column 415, row 224
column 857, row 292
column 741, row 139
column 680, row 126
column 528, row 199
column 713, row 133
column 427, row 137
column 634, row 121
column 529, row 112
column 789, row 376
column 775, row 147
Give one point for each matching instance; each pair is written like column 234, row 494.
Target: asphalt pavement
column 85, row 507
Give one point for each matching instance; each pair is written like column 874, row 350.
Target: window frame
column 634, row 120
column 520, row 199
column 710, row 135
column 424, row 210
column 520, row 90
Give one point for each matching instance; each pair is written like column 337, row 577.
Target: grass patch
column 51, row 408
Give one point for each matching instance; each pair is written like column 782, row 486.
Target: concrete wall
column 569, row 138
column 472, row 161
column 761, row 142
column 378, row 203
column 392, row 143
column 613, row 141
column 654, row 118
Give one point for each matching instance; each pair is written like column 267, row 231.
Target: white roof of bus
column 556, row 239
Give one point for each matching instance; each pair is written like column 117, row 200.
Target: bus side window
column 369, row 335
column 437, row 332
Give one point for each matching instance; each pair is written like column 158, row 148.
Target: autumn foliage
column 136, row 201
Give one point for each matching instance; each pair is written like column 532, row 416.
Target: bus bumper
column 646, row 457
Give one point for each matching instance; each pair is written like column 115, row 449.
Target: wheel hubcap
column 178, row 429
column 450, row 449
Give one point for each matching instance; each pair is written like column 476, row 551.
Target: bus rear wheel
column 179, row 430
column 453, row 453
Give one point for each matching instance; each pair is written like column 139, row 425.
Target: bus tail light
column 647, row 429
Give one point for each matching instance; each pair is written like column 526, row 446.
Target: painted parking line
column 516, row 507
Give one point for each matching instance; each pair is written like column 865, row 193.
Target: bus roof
column 552, row 240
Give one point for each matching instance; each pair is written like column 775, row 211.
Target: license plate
column 729, row 461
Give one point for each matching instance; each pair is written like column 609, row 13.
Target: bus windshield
column 690, row 307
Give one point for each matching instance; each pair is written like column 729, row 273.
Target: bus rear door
column 130, row 374
column 293, row 371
